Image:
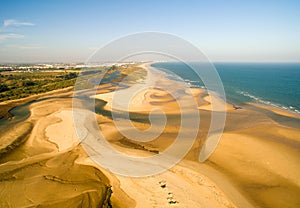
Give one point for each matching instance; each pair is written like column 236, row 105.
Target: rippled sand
column 44, row 170
column 256, row 163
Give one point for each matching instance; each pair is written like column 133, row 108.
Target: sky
column 70, row 31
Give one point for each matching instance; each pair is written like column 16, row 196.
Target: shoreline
column 277, row 110
column 254, row 165
column 247, row 136
column 147, row 95
column 230, row 182
column 7, row 106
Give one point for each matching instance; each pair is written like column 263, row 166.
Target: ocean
column 274, row 84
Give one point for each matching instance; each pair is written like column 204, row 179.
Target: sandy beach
column 278, row 110
column 254, row 165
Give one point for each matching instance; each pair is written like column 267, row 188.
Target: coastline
column 243, row 157
column 254, row 165
column 277, row 110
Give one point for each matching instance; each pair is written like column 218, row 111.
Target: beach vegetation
column 15, row 85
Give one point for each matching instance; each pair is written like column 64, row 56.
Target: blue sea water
column 275, row 84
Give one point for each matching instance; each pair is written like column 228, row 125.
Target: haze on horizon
column 70, row 31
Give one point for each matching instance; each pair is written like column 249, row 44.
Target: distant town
column 55, row 66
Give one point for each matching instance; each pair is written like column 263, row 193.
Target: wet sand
column 278, row 110
column 44, row 170
column 254, row 165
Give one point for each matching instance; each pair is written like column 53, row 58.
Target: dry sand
column 254, row 165
column 43, row 171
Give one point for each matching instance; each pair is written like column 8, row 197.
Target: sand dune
column 254, row 165
column 14, row 137
column 43, row 171
column 250, row 161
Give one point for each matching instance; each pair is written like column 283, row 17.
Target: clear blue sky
column 54, row 30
